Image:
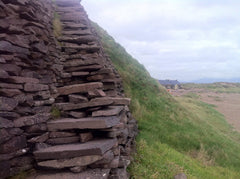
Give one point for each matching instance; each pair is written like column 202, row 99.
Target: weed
column 55, row 112
column 57, row 26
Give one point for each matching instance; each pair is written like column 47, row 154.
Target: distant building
column 170, row 84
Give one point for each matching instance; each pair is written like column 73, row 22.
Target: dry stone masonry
column 62, row 106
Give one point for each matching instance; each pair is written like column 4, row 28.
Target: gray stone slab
column 111, row 111
column 88, row 174
column 72, row 162
column 95, row 103
column 79, row 88
column 83, row 123
column 95, row 147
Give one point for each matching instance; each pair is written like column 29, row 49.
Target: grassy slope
column 172, row 137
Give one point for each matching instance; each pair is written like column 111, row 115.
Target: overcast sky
column 175, row 39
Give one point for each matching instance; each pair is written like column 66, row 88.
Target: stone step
column 88, row 174
column 111, row 111
column 82, row 56
column 74, row 26
column 79, row 88
column 93, row 103
column 69, row 9
column 89, row 48
column 95, row 147
column 84, row 68
column 77, row 32
column 71, row 162
column 78, row 40
column 80, row 62
column 83, row 123
column 68, row 3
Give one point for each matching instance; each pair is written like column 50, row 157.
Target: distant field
column 224, row 96
column 220, row 87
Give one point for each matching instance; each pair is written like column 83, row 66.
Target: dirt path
column 226, row 103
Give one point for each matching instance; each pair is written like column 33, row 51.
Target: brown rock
column 4, row 123
column 19, row 79
column 95, row 78
column 83, row 123
column 32, row 87
column 77, row 114
column 119, row 173
column 9, row 92
column 8, row 156
column 80, row 73
column 79, row 39
column 96, row 93
column 85, row 137
column 79, row 62
column 31, row 120
column 9, row 115
column 77, row 161
column 3, row 74
column 79, row 88
column 63, row 140
column 39, row 139
column 107, row 158
column 88, row 174
column 10, row 68
column 4, row 135
column 95, row 103
column 116, row 101
column 4, row 169
column 14, row 144
column 7, row 104
column 15, row 131
column 111, row 111
column 61, row 134
column 77, row 32
column 10, row 86
column 84, row 68
column 96, row 147
column 9, row 48
column 77, row 99
column 180, row 176
column 77, row 169
column 18, row 40
column 40, row 47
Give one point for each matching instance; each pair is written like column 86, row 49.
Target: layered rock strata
column 62, row 106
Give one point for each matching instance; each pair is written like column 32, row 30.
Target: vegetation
column 176, row 135
column 215, row 87
column 57, row 26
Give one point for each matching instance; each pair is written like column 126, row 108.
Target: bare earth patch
column 226, row 103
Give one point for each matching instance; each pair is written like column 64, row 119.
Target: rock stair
column 93, row 131
column 63, row 109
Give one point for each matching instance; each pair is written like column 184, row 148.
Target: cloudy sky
column 175, row 39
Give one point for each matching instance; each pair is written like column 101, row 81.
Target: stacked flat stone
column 27, row 79
column 40, row 75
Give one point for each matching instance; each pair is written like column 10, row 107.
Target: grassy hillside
column 176, row 135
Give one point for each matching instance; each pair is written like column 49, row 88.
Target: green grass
column 220, row 87
column 176, row 135
column 57, row 26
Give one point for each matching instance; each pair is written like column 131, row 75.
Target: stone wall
column 62, row 106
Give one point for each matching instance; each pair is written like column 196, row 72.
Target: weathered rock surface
column 83, row 123
column 95, row 147
column 78, row 88
column 60, row 96
column 88, row 174
column 77, row 161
